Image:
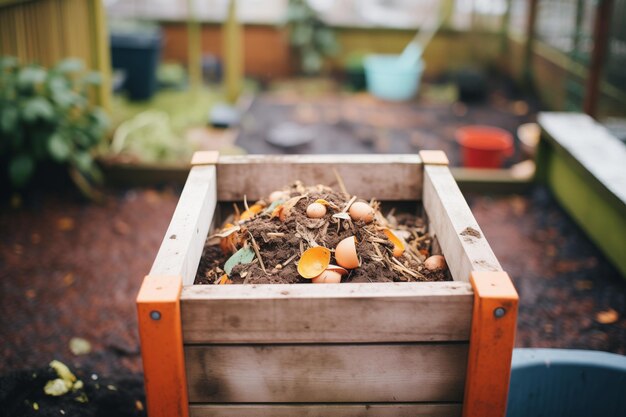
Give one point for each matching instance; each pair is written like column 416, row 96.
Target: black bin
column 137, row 55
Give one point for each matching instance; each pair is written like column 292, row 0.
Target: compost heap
column 315, row 234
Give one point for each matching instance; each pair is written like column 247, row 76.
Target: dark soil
column 21, row 394
column 359, row 123
column 69, row 268
column 281, row 243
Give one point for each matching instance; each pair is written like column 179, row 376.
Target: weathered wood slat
column 452, row 222
column 326, row 410
column 384, row 177
column 183, row 243
column 385, row 312
column 326, row 373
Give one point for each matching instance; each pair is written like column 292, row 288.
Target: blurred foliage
column 46, row 116
column 309, row 36
column 155, row 131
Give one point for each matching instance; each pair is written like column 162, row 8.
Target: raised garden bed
column 392, row 348
column 583, row 164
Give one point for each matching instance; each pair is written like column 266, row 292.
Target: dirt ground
column 72, row 269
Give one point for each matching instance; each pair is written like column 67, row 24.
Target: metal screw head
column 499, row 312
column 155, row 315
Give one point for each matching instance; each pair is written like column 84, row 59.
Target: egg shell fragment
column 361, row 211
column 313, row 262
column 327, row 277
column 315, row 211
column 345, row 253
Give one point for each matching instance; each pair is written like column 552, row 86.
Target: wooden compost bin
column 328, row 350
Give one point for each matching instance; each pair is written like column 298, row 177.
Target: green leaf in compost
column 243, row 256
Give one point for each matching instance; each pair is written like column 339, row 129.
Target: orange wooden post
column 491, row 344
column 160, row 333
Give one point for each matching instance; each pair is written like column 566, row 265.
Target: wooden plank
column 591, row 146
column 491, row 345
column 183, row 243
column 283, row 313
column 158, row 313
column 453, row 224
column 384, row 177
column 326, row 410
column 326, row 373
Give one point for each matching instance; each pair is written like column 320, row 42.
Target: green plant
column 46, row 116
column 309, row 36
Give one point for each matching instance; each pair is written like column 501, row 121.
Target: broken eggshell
column 313, row 262
column 345, row 253
column 332, row 275
column 361, row 211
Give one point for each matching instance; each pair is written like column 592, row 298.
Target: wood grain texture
column 384, row 177
column 183, row 243
column 382, row 312
column 398, row 372
column 452, row 222
column 326, row 410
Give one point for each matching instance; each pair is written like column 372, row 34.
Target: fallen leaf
column 63, row 372
column 68, row 279
column 609, row 316
column 65, row 224
column 56, row 387
column 244, row 256
column 583, row 284
column 121, row 228
column 80, row 346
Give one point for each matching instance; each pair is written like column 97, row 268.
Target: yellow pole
column 194, row 47
column 233, row 54
column 101, row 59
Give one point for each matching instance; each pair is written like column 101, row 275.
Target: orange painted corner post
column 491, row 344
column 161, row 337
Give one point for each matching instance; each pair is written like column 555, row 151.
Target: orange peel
column 252, row 211
column 313, row 262
column 398, row 245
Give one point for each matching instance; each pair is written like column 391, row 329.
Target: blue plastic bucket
column 390, row 79
column 567, row 383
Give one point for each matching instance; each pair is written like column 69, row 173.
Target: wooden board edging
column 451, row 221
column 327, row 410
column 180, row 252
column 302, row 313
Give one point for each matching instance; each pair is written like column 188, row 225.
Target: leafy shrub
column 46, row 115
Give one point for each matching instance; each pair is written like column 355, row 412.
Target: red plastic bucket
column 484, row 146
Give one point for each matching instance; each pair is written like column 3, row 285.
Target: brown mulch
column 279, row 243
